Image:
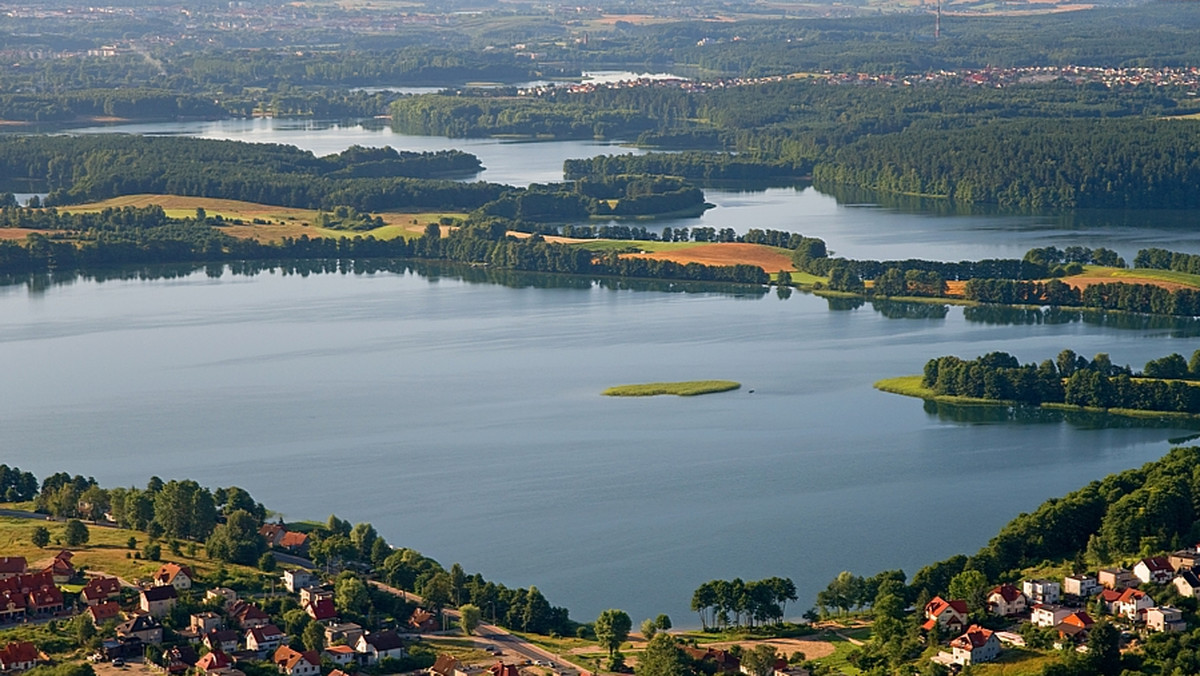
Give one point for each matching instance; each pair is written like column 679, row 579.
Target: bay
column 464, row 419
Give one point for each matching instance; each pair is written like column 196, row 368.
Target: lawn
column 838, row 662
column 1140, row 276
column 106, row 549
column 686, row 388
column 1015, row 662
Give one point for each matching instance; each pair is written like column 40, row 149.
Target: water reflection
column 1032, row 415
column 432, row 271
column 999, row 315
column 894, row 309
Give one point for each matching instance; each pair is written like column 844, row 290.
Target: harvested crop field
column 20, row 233
column 768, row 258
column 1084, row 281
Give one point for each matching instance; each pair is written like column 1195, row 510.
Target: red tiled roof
column 17, row 652
column 1007, row 592
column 1079, row 619
column 169, row 571
column 213, row 661
column 340, row 650
column 105, row 611
column 293, row 539
column 322, row 609
column 975, row 637
column 10, row 565
column 101, row 588
column 939, row 605
column 1131, row 594
column 46, row 596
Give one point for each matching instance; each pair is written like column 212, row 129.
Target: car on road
column 118, row 662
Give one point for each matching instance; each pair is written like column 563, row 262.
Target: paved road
column 490, row 634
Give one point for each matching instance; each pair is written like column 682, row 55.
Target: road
column 490, row 634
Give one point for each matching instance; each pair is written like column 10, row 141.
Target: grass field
column 105, row 550
column 277, row 222
column 910, row 386
column 838, row 662
column 1168, row 278
column 686, row 388
column 1015, row 662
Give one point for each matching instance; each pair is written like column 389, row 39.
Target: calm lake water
column 463, row 418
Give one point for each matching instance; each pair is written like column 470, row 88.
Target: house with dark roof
column 248, row 615
column 1187, row 583
column 946, row 615
column 103, row 612
column 321, row 610
column 720, row 661
column 13, row 605
column 272, row 532
column 158, row 601
column 18, row 656
column 145, row 628
column 1184, row 559
column 501, row 669
column 975, row 645
column 12, row 566
column 264, row 639
column 1006, row 600
column 222, row 640
column 447, row 665
column 380, row 645
column 101, row 589
column 1154, row 570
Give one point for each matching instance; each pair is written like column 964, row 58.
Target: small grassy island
column 1167, row 386
column 685, row 388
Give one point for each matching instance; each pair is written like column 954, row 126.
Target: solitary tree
column 469, row 618
column 649, row 629
column 612, row 628
column 663, row 657
column 40, row 536
column 75, row 533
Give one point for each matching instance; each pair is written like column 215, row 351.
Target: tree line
column 1069, row 379
column 721, row 604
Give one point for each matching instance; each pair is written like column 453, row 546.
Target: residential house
column 1006, row 600
column 214, row 661
column 1188, row 583
column 1075, row 627
column 145, row 628
column 1156, row 570
column 1164, row 619
column 321, row 610
column 310, row 594
column 720, row 661
column 502, row 669
column 222, row 640
column 44, row 598
column 12, row 566
column 179, row 659
column 447, row 665
column 13, row 604
column 158, row 601
column 18, row 656
column 1080, row 586
column 1184, row 559
column 264, row 639
column 340, row 655
column 248, row 615
column 174, row 575
column 60, row 567
column 949, row 616
column 298, row 579
column 1048, row 614
column 228, row 596
column 1108, row 600
column 1133, row 604
column 1042, row 591
column 113, row 648
column 296, row 663
column 203, row 623
column 101, row 589
column 346, row 632
column 1116, row 578
column 272, row 532
column 422, row 620
column 975, row 645
column 380, row 645
column 103, row 612
column 296, row 543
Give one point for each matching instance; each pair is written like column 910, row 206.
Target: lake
column 465, row 420
column 463, row 417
